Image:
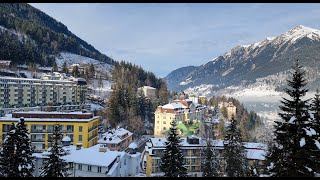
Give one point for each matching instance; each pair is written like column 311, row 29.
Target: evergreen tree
column 315, row 108
column 91, row 70
column 24, row 158
column 210, row 165
column 172, row 158
column 234, row 152
column 65, row 68
column 294, row 151
column 7, row 159
column 163, row 93
column 54, row 166
column 55, row 67
column 75, row 71
column 100, row 82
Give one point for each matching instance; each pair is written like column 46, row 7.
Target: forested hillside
column 29, row 35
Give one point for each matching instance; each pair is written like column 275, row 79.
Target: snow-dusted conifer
column 294, row 151
column 54, row 166
column 210, row 165
column 234, row 152
column 172, row 158
column 7, row 158
column 23, row 155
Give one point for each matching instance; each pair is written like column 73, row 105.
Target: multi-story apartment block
column 116, row 140
column 193, row 151
column 180, row 110
column 80, row 127
column 96, row 161
column 22, row 92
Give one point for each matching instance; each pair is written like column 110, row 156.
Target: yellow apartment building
column 179, row 110
column 80, row 127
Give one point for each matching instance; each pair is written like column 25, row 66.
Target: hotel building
column 80, row 127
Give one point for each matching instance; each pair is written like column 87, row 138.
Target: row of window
column 89, row 168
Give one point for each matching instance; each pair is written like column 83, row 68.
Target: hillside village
column 67, row 110
column 60, row 98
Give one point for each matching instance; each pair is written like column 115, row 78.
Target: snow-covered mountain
column 258, row 68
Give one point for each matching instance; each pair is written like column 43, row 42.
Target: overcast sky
column 164, row 37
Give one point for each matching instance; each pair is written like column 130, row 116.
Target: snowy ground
column 71, row 58
column 103, row 92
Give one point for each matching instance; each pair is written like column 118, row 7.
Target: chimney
column 78, row 146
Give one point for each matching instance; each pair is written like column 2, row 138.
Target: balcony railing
column 37, row 139
column 38, row 131
column 94, row 127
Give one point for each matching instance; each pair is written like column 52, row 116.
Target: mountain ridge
column 243, row 64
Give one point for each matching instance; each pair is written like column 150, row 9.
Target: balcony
column 38, row 131
column 38, row 140
column 93, row 128
column 69, row 131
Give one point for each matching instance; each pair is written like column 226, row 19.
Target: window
column 193, row 168
column 164, row 122
column 80, row 128
column 70, row 165
column 99, row 169
column 164, row 128
column 80, row 166
column 43, row 146
column 80, row 138
column 164, row 117
column 125, row 162
column 89, row 168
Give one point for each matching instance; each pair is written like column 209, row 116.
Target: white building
column 27, row 92
column 148, row 91
column 116, row 139
column 96, row 161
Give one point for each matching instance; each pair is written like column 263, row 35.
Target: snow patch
column 310, row 132
column 71, row 58
column 292, row 119
column 302, row 142
column 316, row 142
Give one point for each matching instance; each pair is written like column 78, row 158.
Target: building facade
column 193, row 152
column 24, row 92
column 148, row 92
column 116, row 139
column 96, row 161
column 179, row 110
column 80, row 127
column 231, row 109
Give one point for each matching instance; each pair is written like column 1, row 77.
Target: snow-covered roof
column 8, row 117
column 133, row 145
column 251, row 145
column 174, row 105
column 30, row 79
column 147, row 87
column 90, row 156
column 114, row 136
column 257, row 154
column 52, row 112
column 66, row 138
column 254, row 150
